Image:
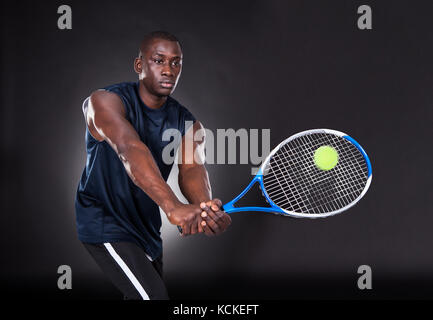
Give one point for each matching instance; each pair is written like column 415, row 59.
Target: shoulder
column 126, row 90
column 122, row 86
column 117, row 95
column 104, row 99
column 101, row 104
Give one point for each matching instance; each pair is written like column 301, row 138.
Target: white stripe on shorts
column 127, row 271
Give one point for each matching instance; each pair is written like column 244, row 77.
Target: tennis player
column 124, row 181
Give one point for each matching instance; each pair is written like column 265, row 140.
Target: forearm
column 144, row 172
column 194, row 184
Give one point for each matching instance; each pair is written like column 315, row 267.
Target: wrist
column 170, row 205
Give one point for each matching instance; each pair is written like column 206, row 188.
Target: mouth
column 167, row 84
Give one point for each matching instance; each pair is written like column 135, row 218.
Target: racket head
column 296, row 187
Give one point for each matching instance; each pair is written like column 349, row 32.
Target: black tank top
column 109, row 206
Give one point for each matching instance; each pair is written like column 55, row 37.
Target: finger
column 214, row 207
column 216, row 204
column 207, row 206
column 205, row 211
column 226, row 221
column 216, row 215
column 203, row 225
column 207, row 231
column 221, row 219
column 212, row 221
column 207, row 220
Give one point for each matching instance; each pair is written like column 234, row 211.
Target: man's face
column 160, row 66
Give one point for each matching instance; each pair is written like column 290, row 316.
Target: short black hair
column 156, row 35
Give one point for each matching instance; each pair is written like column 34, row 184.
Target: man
column 124, row 181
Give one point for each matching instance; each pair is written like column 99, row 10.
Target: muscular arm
column 107, row 121
column 193, row 176
column 194, row 182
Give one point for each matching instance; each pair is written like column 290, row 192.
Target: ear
column 138, row 65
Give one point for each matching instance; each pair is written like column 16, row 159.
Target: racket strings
column 305, row 158
column 322, row 191
column 314, row 180
column 287, row 157
column 294, row 183
column 319, row 178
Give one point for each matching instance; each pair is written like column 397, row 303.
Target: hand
column 186, row 216
column 215, row 221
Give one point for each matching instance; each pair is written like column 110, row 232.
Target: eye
column 158, row 61
column 176, row 63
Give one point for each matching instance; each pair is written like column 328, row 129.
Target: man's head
column 159, row 63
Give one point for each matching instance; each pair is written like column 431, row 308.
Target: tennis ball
column 326, row 158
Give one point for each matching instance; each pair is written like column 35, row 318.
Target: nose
column 166, row 71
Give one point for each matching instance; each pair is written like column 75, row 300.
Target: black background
column 284, row 65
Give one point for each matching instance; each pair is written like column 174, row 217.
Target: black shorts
column 130, row 270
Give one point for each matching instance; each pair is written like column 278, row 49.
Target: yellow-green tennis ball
column 326, row 158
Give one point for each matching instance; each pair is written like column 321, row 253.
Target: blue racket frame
column 230, row 208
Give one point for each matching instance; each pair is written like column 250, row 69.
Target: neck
column 150, row 100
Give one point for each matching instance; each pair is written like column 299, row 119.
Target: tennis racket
column 295, row 185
